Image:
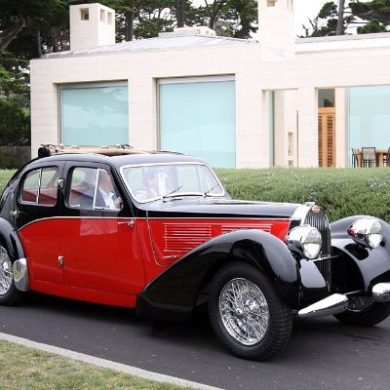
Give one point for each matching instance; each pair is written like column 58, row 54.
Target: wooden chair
column 386, row 158
column 369, row 157
column 356, row 163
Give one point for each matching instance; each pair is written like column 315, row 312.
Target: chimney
column 91, row 25
column 277, row 28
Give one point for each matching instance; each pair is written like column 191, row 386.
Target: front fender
column 174, row 293
column 373, row 265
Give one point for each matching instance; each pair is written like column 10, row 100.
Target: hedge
column 12, row 157
column 342, row 192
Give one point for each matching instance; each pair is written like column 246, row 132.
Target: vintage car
column 157, row 231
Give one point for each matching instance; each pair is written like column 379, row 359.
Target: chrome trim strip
column 334, row 304
column 381, row 292
column 301, row 212
column 20, row 272
column 155, row 218
column 71, row 217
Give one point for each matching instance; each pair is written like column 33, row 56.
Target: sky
column 304, row 10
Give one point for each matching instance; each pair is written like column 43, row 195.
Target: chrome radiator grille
column 320, row 221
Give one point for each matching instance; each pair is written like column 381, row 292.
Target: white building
column 237, row 103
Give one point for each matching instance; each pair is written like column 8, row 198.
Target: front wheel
column 246, row 314
column 9, row 295
column 369, row 316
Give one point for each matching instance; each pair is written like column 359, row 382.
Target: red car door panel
column 102, row 254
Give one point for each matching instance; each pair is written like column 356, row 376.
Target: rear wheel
column 9, row 295
column 246, row 314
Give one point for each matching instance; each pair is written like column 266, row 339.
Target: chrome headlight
column 367, row 232
column 307, row 239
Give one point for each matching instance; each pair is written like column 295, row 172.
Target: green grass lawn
column 24, row 368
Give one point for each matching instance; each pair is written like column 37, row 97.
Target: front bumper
column 337, row 303
column 381, row 292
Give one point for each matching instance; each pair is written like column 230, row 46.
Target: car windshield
column 148, row 183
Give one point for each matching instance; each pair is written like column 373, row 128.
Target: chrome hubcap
column 244, row 311
column 5, row 272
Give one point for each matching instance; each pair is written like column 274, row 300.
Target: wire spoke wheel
column 246, row 314
column 6, row 276
column 244, row 311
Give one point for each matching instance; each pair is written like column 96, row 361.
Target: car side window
column 93, row 189
column 40, row 187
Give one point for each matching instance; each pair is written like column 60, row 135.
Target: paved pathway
column 322, row 354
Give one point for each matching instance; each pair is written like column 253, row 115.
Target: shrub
column 342, row 192
column 12, row 157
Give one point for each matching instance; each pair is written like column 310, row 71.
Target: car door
column 36, row 212
column 99, row 245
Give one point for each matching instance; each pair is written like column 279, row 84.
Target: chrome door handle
column 14, row 213
column 60, row 260
column 130, row 223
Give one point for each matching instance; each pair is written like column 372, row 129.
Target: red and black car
column 157, row 231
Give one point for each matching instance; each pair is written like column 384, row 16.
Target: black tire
column 279, row 324
column 12, row 295
column 372, row 315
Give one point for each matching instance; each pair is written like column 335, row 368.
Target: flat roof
column 158, row 43
column 343, row 42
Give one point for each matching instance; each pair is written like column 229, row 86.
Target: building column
column 308, row 127
column 341, row 127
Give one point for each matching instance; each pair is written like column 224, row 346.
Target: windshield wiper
column 172, row 194
column 207, row 193
column 168, row 194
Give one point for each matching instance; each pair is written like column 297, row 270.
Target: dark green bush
column 12, row 157
column 342, row 192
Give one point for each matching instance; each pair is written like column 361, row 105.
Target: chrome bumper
column 381, row 292
column 20, row 272
column 334, row 304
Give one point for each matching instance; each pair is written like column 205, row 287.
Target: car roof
column 121, row 160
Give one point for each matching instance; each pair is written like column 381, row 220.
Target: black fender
column 173, row 294
column 10, row 238
column 372, row 265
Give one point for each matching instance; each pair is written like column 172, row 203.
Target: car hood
column 218, row 207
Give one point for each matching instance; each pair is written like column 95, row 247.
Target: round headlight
column 307, row 239
column 367, row 232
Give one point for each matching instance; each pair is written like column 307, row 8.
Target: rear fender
column 173, row 294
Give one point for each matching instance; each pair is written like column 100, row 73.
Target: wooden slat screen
column 327, row 137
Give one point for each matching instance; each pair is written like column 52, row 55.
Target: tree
column 239, row 18
column 17, row 16
column 331, row 20
column 340, row 18
column 376, row 13
column 14, row 99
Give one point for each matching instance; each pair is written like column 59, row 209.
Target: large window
column 369, row 117
column 94, row 114
column 198, row 117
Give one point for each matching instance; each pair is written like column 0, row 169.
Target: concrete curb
column 148, row 375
